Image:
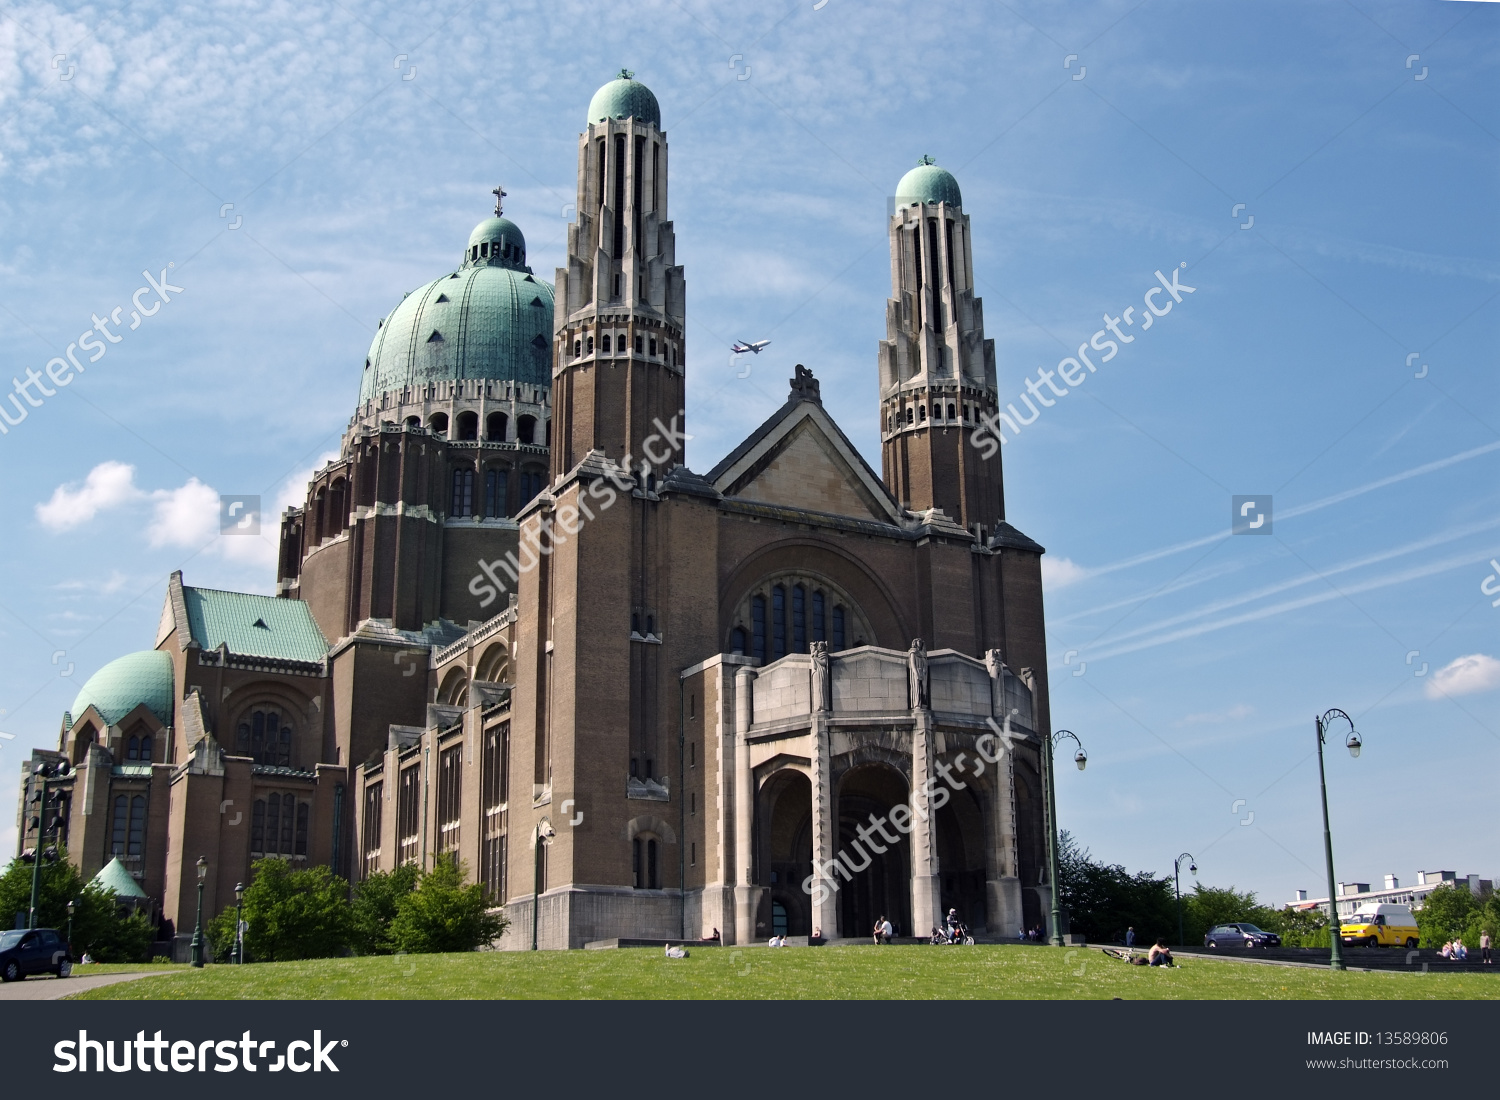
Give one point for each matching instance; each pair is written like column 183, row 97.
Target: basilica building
column 635, row 701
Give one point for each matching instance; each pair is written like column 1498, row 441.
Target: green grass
column 833, row 973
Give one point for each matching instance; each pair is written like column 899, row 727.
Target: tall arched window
column 463, row 493
column 739, row 640
column 838, row 628
column 909, row 417
column 128, row 829
column 604, row 343
column 525, row 429
column 494, row 493
column 438, row 422
column 952, row 413
column 778, row 623
column 819, row 617
column 264, row 737
column 758, row 625
column 645, row 862
column 468, row 425
column 494, row 427
column 799, row 619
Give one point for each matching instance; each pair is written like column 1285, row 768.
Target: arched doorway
column 786, row 855
column 1030, row 836
column 961, row 858
column 880, row 887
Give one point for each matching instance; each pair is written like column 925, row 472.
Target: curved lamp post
column 542, row 834
column 1177, row 886
column 1353, row 744
column 1081, row 758
column 39, row 852
column 198, row 925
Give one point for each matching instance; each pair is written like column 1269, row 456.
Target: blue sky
column 1191, row 662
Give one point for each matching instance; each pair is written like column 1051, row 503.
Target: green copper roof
column 125, row 683
column 625, row 97
column 116, row 879
column 253, row 626
column 930, row 184
column 492, row 318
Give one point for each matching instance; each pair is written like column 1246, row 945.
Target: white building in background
column 1352, row 895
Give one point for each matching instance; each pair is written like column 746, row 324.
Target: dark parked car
column 33, row 951
column 1240, row 935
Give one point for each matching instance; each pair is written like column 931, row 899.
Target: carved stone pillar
column 746, row 893
column 825, row 835
column 926, row 898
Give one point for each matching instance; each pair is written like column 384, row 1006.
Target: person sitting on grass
column 1161, row 954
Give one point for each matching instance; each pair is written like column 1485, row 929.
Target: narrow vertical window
column 758, row 625
column 655, row 175
column 303, row 812
column 288, row 804
column 653, row 877
column 838, row 628
column 117, row 839
column 819, row 617
column 619, row 249
column 799, row 619
column 273, row 823
column 638, row 174
column 778, row 623
column 635, row 862
column 258, row 827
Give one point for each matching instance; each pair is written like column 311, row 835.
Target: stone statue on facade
column 916, row 668
column 822, row 678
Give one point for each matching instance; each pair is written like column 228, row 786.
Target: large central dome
column 489, row 319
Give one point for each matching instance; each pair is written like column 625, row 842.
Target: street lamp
column 198, row 927
column 239, row 922
column 1177, row 887
column 1353, row 744
column 542, row 834
column 70, row 928
column 1081, row 758
column 42, row 774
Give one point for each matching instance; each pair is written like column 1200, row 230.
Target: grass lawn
column 761, row 973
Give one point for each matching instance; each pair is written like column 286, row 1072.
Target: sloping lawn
column 828, row 973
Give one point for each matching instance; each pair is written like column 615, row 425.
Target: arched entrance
column 961, row 858
column 881, row 885
column 785, row 855
column 1029, row 844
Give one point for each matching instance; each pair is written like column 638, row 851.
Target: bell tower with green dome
column 618, row 347
column 937, row 370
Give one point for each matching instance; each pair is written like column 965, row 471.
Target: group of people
column 1031, row 935
column 1457, row 952
column 883, row 931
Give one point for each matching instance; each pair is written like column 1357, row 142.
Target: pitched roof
column 252, row 625
column 114, row 877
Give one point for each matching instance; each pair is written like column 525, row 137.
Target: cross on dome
column 499, row 193
column 626, row 74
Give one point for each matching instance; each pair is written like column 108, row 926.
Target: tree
column 1446, row 914
column 1208, row 906
column 1103, row 900
column 442, row 914
column 376, row 901
column 1300, row 927
column 295, row 914
column 99, row 926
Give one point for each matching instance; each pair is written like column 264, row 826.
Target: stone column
column 825, row 835
column 926, row 898
column 745, row 892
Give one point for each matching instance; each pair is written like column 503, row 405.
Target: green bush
column 99, row 926
column 1103, row 900
column 376, row 901
column 291, row 914
column 1447, row 914
column 442, row 914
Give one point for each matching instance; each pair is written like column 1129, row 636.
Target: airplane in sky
column 740, row 347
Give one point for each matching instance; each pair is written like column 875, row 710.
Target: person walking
column 1484, row 949
column 1130, row 936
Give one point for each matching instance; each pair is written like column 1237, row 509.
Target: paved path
column 54, row 989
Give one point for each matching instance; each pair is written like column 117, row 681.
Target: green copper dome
column 927, row 183
column 492, row 318
column 125, row 683
column 625, row 97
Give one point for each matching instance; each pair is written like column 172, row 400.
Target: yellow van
column 1381, row 926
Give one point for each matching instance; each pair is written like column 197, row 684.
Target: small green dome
column 125, row 683
column 927, row 183
column 625, row 97
column 505, row 234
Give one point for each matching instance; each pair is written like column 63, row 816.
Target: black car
column 33, row 951
column 1240, row 935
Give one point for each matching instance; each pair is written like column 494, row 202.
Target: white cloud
column 108, row 485
column 1465, row 676
column 188, row 516
column 1061, row 572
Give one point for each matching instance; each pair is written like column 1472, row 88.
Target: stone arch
column 865, row 588
column 963, row 848
column 880, row 870
column 292, row 711
column 493, row 666
column 647, row 825
column 454, row 689
column 784, row 846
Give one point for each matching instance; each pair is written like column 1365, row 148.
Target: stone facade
column 696, row 689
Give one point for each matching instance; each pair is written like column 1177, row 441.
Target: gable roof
column 802, row 433
column 253, row 626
